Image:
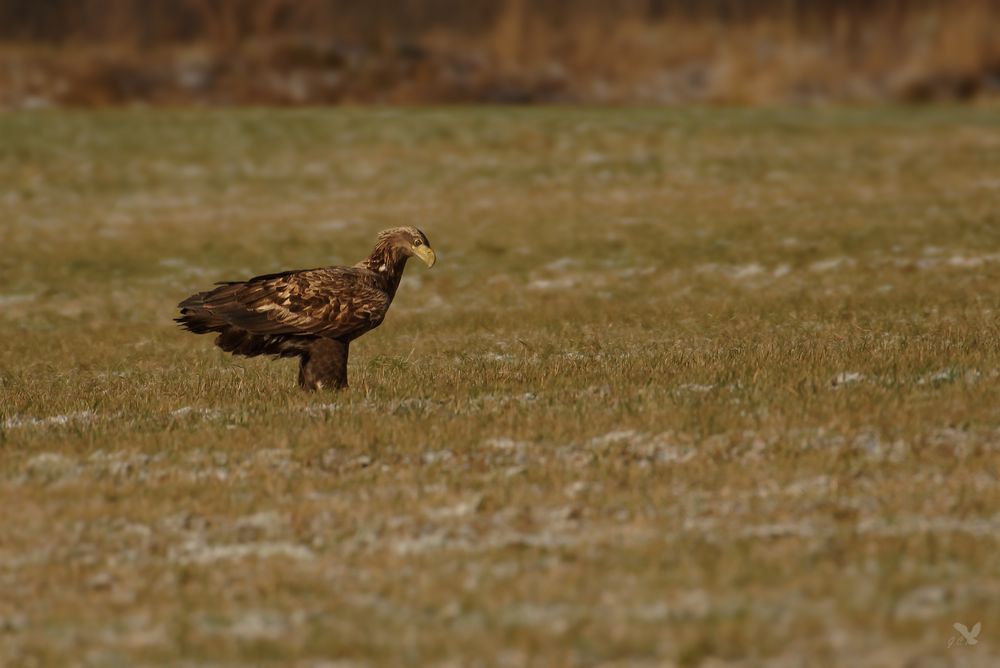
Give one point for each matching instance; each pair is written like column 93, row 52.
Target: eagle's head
column 408, row 241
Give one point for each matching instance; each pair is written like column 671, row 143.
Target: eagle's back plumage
column 276, row 314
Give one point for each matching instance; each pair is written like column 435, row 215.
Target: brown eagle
column 312, row 314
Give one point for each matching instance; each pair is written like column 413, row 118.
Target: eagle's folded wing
column 332, row 302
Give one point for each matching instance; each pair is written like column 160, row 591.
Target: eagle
column 312, row 314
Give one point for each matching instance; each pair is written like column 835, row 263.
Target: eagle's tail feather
column 200, row 320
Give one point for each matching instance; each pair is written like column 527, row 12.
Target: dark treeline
column 295, row 52
column 160, row 22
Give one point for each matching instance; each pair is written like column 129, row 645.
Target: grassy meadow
column 691, row 387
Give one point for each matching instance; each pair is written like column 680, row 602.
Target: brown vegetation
column 713, row 388
column 97, row 53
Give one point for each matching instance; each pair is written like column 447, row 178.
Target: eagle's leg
column 324, row 367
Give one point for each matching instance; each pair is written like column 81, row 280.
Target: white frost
column 55, row 420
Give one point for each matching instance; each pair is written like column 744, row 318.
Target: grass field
column 703, row 387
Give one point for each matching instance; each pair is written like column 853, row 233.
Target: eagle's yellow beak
column 425, row 253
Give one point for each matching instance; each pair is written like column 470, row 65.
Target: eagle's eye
column 418, row 242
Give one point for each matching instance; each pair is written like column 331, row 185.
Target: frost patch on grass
column 646, row 448
column 847, row 378
column 622, row 436
column 873, row 446
column 597, row 281
column 876, row 526
column 457, row 510
column 736, row 272
column 196, row 552
column 922, row 603
column 506, row 444
column 105, row 375
column 753, row 273
column 561, row 264
column 740, row 273
column 273, row 456
column 265, row 625
column 493, row 401
column 904, row 526
column 412, row 404
column 123, row 464
column 50, row 465
column 635, row 272
column 18, row 422
column 944, row 376
column 934, row 260
column 138, row 466
column 429, row 542
column 206, row 413
column 436, row 457
column 317, row 410
column 450, row 540
column 7, row 300
column 497, row 357
column 829, row 264
column 553, row 284
column 966, row 262
column 695, row 387
column 808, row 487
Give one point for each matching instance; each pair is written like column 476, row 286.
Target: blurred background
column 92, row 53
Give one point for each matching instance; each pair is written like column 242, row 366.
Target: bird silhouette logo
column 969, row 635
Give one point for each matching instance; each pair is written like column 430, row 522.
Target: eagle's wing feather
column 333, row 302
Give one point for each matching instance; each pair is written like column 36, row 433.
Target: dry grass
column 689, row 387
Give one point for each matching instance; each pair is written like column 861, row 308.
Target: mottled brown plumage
column 312, row 314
